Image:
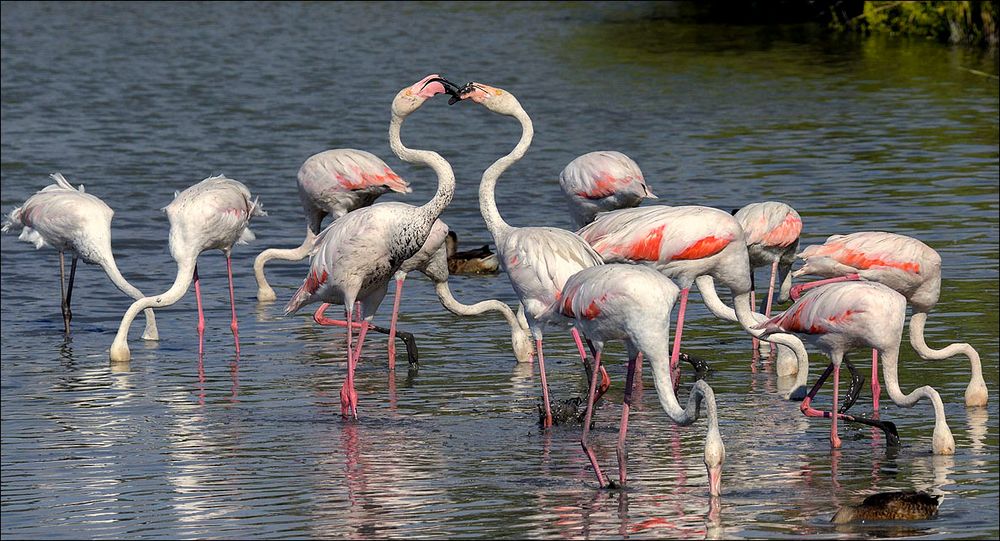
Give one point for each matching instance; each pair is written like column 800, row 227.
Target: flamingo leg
column 675, row 370
column 234, row 324
column 547, row 423
column 320, row 319
column 633, row 364
column 347, row 393
column 754, row 341
column 605, row 379
column 637, row 386
column 876, row 388
column 392, row 323
column 201, row 313
column 834, row 438
column 586, row 424
column 67, row 301
column 797, row 291
column 770, row 297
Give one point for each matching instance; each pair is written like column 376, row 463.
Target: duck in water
column 479, row 261
column 906, row 505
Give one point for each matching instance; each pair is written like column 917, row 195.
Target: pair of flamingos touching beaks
column 690, row 244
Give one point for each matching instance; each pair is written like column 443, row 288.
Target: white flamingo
column 693, row 245
column 355, row 257
column 433, row 261
column 601, row 181
column 213, row 214
column 333, row 182
column 906, row 265
column 537, row 260
column 69, row 219
column 633, row 303
column 839, row 317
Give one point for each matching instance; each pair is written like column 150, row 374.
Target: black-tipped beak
column 457, row 95
column 451, row 88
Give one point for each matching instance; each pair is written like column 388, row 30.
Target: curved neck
column 111, row 269
column 487, row 186
column 700, row 392
column 441, row 167
column 286, row 254
column 917, row 323
column 185, row 273
column 459, row 309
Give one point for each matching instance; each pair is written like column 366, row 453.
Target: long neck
column 111, row 269
column 459, row 309
column 700, row 392
column 185, row 273
column 943, row 441
column 445, row 175
column 264, row 290
column 975, row 394
column 487, row 186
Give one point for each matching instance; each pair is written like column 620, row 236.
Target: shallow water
column 137, row 101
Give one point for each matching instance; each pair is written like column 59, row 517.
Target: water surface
column 139, row 100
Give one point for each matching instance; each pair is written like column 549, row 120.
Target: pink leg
column 770, row 295
column 392, row 324
column 586, row 423
column 201, row 314
column 799, row 289
column 834, row 438
column 675, row 370
column 233, row 325
column 626, row 404
column 605, row 379
column 545, row 385
column 347, row 394
column 876, row 388
column 754, row 342
column 319, row 318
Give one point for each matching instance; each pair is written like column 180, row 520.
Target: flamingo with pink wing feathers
column 601, row 181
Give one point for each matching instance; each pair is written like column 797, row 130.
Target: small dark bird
column 479, row 261
column 907, row 505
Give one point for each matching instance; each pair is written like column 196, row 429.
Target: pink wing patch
column 313, row 281
column 645, row 249
column 368, row 179
column 863, row 261
column 786, row 233
column 703, row 248
column 604, row 186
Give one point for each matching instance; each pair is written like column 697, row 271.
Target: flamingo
column 66, row 218
column 772, row 230
column 354, row 258
column 906, row 265
column 433, row 261
column 213, row 214
column 333, row 182
column 842, row 316
column 692, row 245
column 601, row 181
column 537, row 260
column 633, row 303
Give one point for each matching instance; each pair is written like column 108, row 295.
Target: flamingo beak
column 451, row 88
column 457, row 97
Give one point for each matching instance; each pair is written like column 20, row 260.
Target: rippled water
column 137, row 101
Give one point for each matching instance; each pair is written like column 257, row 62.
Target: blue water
column 139, row 100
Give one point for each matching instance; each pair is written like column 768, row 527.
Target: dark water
column 137, row 101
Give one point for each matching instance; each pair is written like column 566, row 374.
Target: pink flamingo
column 633, row 303
column 355, row 257
column 906, row 265
column 692, row 245
column 433, row 261
column 772, row 232
column 842, row 316
column 333, row 182
column 537, row 260
column 66, row 218
column 601, row 181
column 214, row 214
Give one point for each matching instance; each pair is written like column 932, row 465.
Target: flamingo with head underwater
column 693, row 245
column 213, row 214
column 537, row 260
column 839, row 317
column 633, row 303
column 772, row 230
column 904, row 264
column 333, row 182
column 69, row 219
column 601, row 181
column 356, row 256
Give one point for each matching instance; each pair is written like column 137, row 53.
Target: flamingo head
column 715, row 455
column 412, row 97
column 495, row 99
